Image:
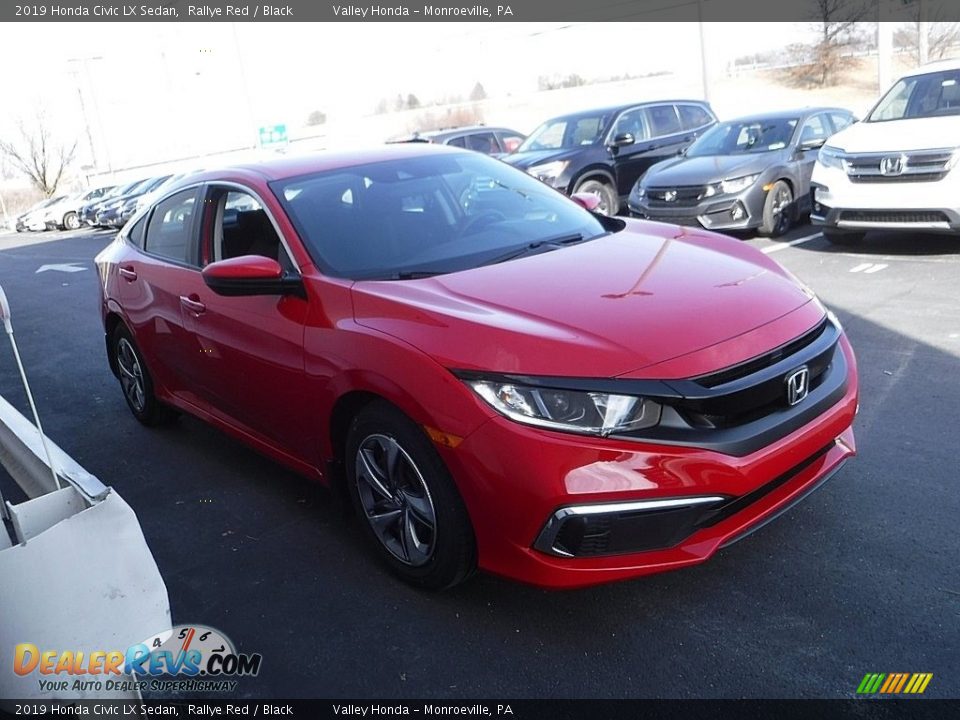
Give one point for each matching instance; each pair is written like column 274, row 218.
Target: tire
column 609, row 202
column 71, row 221
column 843, row 238
column 412, row 514
column 778, row 210
column 135, row 380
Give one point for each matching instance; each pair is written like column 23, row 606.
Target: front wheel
column 609, row 202
column 778, row 210
column 71, row 221
column 407, row 501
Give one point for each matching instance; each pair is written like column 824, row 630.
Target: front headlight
column 548, row 171
column 735, row 185
column 592, row 413
column 830, row 157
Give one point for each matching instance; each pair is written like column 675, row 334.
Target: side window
column 633, row 122
column 242, row 227
column 840, row 120
column 457, row 142
column 169, row 232
column 510, row 142
column 135, row 233
column 663, row 120
column 693, row 117
column 483, row 142
column 815, row 128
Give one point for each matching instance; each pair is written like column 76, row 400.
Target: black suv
column 606, row 151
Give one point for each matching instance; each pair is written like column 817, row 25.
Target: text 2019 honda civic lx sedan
column 504, row 379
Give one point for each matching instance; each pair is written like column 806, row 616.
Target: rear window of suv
column 920, row 96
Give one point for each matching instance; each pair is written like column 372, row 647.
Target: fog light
column 738, row 212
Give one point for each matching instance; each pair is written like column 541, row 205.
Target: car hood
column 524, row 160
column 898, row 135
column 649, row 294
column 681, row 171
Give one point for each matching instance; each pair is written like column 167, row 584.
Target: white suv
column 896, row 169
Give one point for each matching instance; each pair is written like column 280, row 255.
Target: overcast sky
column 186, row 85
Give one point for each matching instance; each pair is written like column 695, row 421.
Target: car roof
column 786, row 114
column 627, row 106
column 284, row 167
column 938, row 66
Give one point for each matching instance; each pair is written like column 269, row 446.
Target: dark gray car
column 749, row 173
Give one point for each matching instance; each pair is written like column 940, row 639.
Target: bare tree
column 38, row 156
column 941, row 37
column 837, row 25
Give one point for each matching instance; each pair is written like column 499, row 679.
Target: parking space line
column 782, row 246
column 876, row 268
column 861, row 267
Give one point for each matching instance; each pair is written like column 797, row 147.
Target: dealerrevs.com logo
column 192, row 658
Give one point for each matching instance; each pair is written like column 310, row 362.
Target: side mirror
column 622, row 139
column 588, row 201
column 814, row 144
column 251, row 275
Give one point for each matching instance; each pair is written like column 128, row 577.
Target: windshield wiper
column 537, row 246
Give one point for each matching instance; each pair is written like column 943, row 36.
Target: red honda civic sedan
column 502, row 378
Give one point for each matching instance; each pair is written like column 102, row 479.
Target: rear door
column 817, row 129
column 153, row 281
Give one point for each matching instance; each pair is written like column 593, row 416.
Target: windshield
column 428, row 215
column 739, row 137
column 920, row 96
column 567, row 132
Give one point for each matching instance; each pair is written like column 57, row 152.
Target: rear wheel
column 609, row 202
column 778, row 210
column 407, row 501
column 135, row 380
column 843, row 238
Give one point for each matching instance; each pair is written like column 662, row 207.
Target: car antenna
column 8, row 327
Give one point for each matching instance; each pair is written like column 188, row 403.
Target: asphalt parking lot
column 861, row 577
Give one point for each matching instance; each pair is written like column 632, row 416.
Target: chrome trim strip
column 548, row 535
column 894, row 225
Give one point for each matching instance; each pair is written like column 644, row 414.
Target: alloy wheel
column 131, row 375
column 781, row 205
column 395, row 500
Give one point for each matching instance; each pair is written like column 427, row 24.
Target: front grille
column 774, row 356
column 681, row 196
column 686, row 220
column 920, row 166
column 894, row 216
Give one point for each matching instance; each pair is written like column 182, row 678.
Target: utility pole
column 85, row 68
column 923, row 35
column 86, row 120
column 703, row 53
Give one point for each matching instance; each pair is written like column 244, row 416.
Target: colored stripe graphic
column 894, row 683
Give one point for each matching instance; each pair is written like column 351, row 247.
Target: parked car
column 494, row 141
column 111, row 215
column 896, row 169
column 749, row 173
column 501, row 378
column 65, row 214
column 32, row 217
column 606, row 151
column 88, row 213
column 135, row 203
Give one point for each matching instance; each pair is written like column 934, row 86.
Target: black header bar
column 480, row 11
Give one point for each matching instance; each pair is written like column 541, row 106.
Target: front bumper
column 839, row 204
column 740, row 211
column 516, row 482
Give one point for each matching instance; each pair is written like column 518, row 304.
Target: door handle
column 192, row 304
column 127, row 273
